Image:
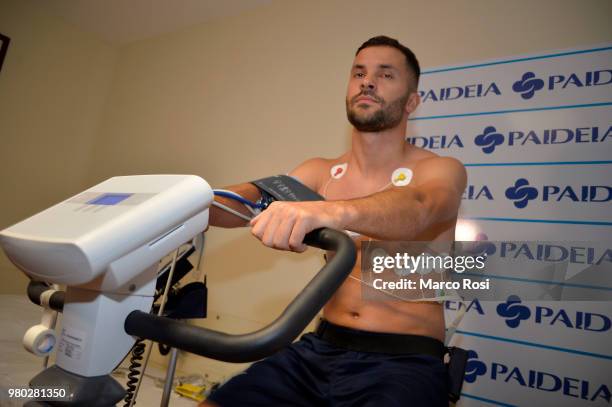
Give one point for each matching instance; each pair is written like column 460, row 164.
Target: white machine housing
column 118, row 227
column 104, row 245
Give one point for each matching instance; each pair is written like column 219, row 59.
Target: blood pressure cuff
column 284, row 188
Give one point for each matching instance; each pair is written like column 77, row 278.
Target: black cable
column 137, row 352
column 163, row 349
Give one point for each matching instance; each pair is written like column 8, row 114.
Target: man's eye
column 387, row 76
column 358, row 74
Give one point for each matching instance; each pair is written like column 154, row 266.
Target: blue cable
column 238, row 198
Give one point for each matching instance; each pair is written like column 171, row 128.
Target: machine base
column 98, row 391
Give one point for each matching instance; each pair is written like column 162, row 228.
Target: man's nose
column 368, row 83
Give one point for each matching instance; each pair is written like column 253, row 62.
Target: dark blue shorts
column 313, row 372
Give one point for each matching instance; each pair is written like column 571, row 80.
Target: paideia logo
column 436, row 142
column 552, row 252
column 521, row 193
column 529, row 83
column 527, row 86
column 474, row 90
column 514, row 312
column 534, row 378
column 476, row 192
column 472, row 306
column 474, row 367
column 490, row 137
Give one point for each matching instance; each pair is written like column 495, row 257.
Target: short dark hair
column 383, row 40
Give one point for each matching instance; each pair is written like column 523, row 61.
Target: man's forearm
column 390, row 215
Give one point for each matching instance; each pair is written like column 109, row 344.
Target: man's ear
column 413, row 102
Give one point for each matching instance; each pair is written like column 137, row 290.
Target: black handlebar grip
column 268, row 340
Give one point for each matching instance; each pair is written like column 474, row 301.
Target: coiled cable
column 134, row 372
column 136, row 379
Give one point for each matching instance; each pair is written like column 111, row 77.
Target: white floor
column 17, row 366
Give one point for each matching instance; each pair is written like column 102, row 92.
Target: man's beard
column 387, row 117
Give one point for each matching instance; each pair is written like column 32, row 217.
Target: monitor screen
column 109, row 199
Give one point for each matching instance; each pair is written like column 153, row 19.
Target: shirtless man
column 383, row 189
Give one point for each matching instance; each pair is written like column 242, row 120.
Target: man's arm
column 222, row 218
column 397, row 214
column 402, row 213
column 308, row 173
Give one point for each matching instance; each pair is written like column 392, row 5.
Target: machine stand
column 98, row 391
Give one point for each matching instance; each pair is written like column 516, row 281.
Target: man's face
column 379, row 89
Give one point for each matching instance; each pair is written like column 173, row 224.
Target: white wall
column 53, row 86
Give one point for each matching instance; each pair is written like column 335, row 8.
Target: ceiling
column 123, row 21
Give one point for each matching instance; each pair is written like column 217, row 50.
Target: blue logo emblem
column 489, row 139
column 513, row 311
column 479, row 248
column 528, row 85
column 474, row 367
column 521, row 193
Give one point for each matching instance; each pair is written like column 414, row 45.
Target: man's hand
column 284, row 224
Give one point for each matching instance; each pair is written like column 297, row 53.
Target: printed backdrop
column 535, row 134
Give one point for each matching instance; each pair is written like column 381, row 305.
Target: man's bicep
column 441, row 183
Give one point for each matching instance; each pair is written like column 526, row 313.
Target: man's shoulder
column 314, row 171
column 429, row 166
column 450, row 163
column 317, row 165
column 421, row 157
column 416, row 154
column 441, row 171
